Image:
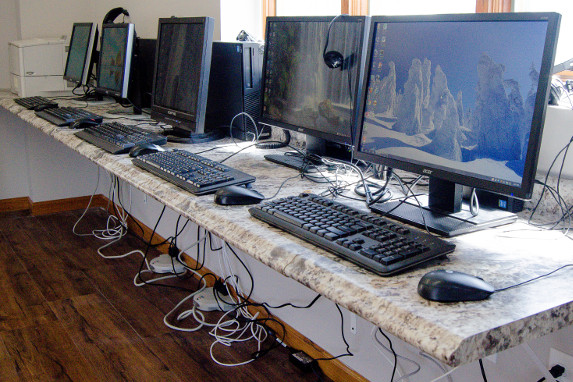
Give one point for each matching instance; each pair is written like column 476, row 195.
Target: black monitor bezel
column 129, row 45
column 92, row 43
column 192, row 123
column 525, row 190
column 346, row 139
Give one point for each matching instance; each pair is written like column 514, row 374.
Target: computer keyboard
column 191, row 172
column 117, row 138
column 31, row 103
column 64, row 116
column 374, row 243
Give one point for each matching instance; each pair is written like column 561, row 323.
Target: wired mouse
column 83, row 123
column 44, row 106
column 237, row 195
column 146, row 148
column 453, row 286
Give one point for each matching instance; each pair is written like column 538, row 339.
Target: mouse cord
column 533, row 279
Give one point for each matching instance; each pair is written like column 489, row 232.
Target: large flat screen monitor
column 180, row 86
column 81, row 53
column 311, row 70
column 462, row 99
column 114, row 65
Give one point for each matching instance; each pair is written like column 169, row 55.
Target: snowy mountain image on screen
column 424, row 120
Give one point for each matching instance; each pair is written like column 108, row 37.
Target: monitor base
column 443, row 223
column 92, row 101
column 178, row 136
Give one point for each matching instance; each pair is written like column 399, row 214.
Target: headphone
column 113, row 14
column 333, row 59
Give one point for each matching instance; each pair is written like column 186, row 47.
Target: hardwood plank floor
column 67, row 314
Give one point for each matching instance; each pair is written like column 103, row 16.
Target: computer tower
column 141, row 79
column 235, row 87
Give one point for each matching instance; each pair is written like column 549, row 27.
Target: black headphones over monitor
column 113, row 14
column 333, row 59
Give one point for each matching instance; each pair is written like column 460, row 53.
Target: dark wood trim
column 354, row 7
column 15, row 204
column 493, row 6
column 69, row 204
column 269, row 9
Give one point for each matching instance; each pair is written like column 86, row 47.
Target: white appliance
column 37, row 66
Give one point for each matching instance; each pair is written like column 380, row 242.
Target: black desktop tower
column 235, row 87
column 141, row 76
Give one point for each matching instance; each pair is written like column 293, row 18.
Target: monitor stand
column 92, row 100
column 443, row 211
column 184, row 136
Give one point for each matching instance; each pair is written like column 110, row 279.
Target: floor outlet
column 164, row 264
column 563, row 359
column 207, row 302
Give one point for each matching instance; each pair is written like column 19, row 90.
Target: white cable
column 444, row 375
column 87, row 208
column 438, row 364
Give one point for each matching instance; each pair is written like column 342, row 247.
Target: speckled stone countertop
column 455, row 333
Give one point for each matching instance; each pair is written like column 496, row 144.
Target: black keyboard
column 297, row 162
column 64, row 116
column 117, row 138
column 373, row 242
column 31, row 103
column 191, row 172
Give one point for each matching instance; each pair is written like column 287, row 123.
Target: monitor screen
column 182, row 65
column 114, row 65
column 80, row 52
column 459, row 97
column 301, row 92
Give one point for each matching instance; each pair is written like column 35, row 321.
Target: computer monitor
column 305, row 89
column 460, row 98
column 114, row 65
column 180, row 85
column 81, row 53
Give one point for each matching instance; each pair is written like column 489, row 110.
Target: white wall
column 24, row 19
column 9, row 31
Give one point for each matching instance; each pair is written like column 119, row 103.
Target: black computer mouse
column 44, row 106
column 237, row 195
column 146, row 148
column 82, row 123
column 453, row 286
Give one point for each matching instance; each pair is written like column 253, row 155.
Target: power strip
column 165, row 264
column 206, row 301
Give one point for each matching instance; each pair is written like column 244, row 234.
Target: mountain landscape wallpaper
column 459, row 96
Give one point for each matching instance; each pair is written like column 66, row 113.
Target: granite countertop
column 455, row 333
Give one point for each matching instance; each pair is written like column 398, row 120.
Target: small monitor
column 303, row 90
column 460, row 98
column 81, row 53
column 180, row 86
column 114, row 65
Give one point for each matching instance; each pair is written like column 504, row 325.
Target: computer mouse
column 82, row 123
column 237, row 195
column 453, row 286
column 146, row 148
column 44, row 106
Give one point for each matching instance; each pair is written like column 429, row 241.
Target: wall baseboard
column 50, row 206
column 69, row 204
column 15, row 204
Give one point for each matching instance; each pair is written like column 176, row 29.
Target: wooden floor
column 68, row 314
